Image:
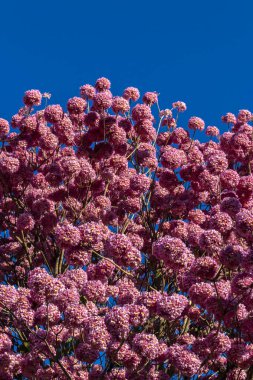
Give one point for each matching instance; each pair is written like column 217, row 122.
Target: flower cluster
column 126, row 244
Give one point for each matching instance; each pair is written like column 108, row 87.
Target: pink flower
column 200, row 292
column 172, row 251
column 121, row 250
column 211, row 241
column 53, row 113
column 95, row 291
column 85, row 352
column 76, row 105
column 212, row 131
column 172, row 307
column 145, row 130
column 184, row 360
column 102, row 84
column 74, row 277
column 5, row 343
column 120, row 104
column 103, row 100
column 32, row 98
column 244, row 223
column 131, row 93
column 165, row 113
column 117, row 322
column 196, row 123
column 222, row 222
column 25, row 222
column 197, row 216
column 172, row 158
column 244, row 116
column 70, row 166
column 140, row 112
column 232, row 255
column 179, row 135
column 237, row 374
column 67, row 235
column 180, row 106
column 8, row 164
column 231, row 205
column 4, row 128
column 87, row 91
column 229, row 118
column 93, row 235
column 150, row 98
column 47, row 314
column 146, row 345
column 205, row 267
column 75, row 315
column 229, row 179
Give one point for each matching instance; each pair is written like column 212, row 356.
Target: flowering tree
column 126, row 245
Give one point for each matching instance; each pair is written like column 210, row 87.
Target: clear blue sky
column 200, row 52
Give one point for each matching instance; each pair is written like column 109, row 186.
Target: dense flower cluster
column 126, row 245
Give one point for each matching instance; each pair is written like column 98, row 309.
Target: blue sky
column 196, row 51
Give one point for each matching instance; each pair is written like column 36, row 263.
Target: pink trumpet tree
column 126, row 245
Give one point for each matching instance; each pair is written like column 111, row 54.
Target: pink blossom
column 120, row 249
column 146, row 345
column 53, row 113
column 117, row 322
column 237, row 374
column 76, row 105
column 8, row 164
column 87, row 91
column 131, row 93
column 47, row 314
column 217, row 162
column 211, row 241
column 32, row 98
column 184, row 360
column 196, row 123
column 172, row 158
column 103, row 100
column 229, row 118
column 244, row 116
column 140, row 112
column 200, row 292
column 102, row 84
column 172, row 307
column 180, row 106
column 67, row 235
column 25, row 222
column 120, row 104
column 150, row 98
column 4, row 127
column 172, row 251
column 212, row 131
